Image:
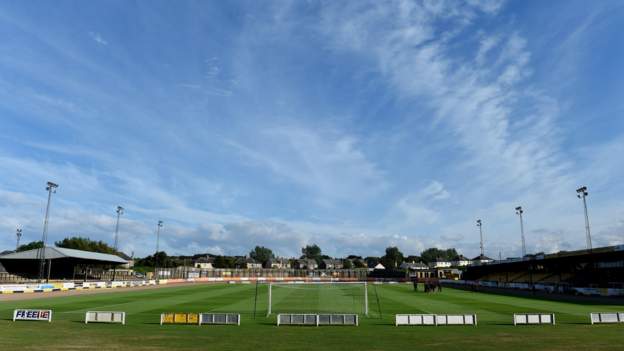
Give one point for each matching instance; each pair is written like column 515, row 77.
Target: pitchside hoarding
column 32, row 315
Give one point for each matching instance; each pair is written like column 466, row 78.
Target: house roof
column 332, row 261
column 413, row 265
column 482, row 258
column 52, row 252
column 204, row 260
column 462, row 258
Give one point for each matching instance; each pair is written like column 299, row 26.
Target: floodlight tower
column 120, row 211
column 480, row 224
column 582, row 193
column 160, row 224
column 519, row 212
column 51, row 188
column 18, row 234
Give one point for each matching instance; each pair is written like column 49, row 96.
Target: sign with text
column 32, row 315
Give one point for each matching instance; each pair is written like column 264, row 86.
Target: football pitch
column 495, row 330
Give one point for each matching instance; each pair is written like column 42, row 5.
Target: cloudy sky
column 351, row 124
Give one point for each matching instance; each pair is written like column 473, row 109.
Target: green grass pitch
column 376, row 332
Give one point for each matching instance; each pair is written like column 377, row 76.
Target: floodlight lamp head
column 120, row 210
column 160, row 223
column 478, row 222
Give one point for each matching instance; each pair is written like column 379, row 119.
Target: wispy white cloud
column 329, row 164
column 98, row 38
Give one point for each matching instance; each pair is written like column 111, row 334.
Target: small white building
column 250, row 263
column 279, row 263
column 481, row 259
column 413, row 266
column 440, row 263
column 379, row 266
column 204, row 263
column 462, row 261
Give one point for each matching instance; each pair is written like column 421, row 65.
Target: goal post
column 320, row 296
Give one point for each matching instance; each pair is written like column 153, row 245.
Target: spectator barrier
column 533, row 318
column 219, row 318
column 435, row 319
column 338, row 319
column 606, row 317
column 105, row 317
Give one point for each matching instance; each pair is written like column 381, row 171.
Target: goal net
column 318, row 297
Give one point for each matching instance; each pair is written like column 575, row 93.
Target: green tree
column 224, row 262
column 312, row 252
column 347, row 264
column 31, row 245
column 432, row 254
column 159, row 259
column 412, row 258
column 85, row 244
column 371, row 261
column 393, row 258
column 358, row 263
column 261, row 254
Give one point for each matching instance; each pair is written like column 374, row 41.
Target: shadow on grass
column 575, row 299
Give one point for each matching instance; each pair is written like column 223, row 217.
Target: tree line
column 392, row 258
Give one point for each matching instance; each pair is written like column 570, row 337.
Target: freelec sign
column 32, row 315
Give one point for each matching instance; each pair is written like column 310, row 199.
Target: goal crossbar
column 294, row 285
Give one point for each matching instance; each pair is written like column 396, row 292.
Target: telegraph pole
column 51, row 188
column 582, row 193
column 519, row 212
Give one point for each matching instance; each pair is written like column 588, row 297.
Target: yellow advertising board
column 179, row 318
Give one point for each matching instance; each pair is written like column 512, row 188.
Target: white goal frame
column 295, row 283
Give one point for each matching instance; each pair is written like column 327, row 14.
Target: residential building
column 332, row 264
column 307, row 263
column 204, row 263
column 462, row 261
column 440, row 263
column 279, row 263
column 481, row 259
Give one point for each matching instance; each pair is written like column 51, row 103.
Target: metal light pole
column 160, row 224
column 582, row 193
column 480, row 224
column 519, row 212
column 119, row 211
column 51, row 188
column 18, row 233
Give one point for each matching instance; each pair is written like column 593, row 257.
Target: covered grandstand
column 61, row 263
column 588, row 272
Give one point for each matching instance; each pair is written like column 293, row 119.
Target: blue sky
column 351, row 124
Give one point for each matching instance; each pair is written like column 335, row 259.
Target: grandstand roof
column 52, row 253
column 482, row 258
